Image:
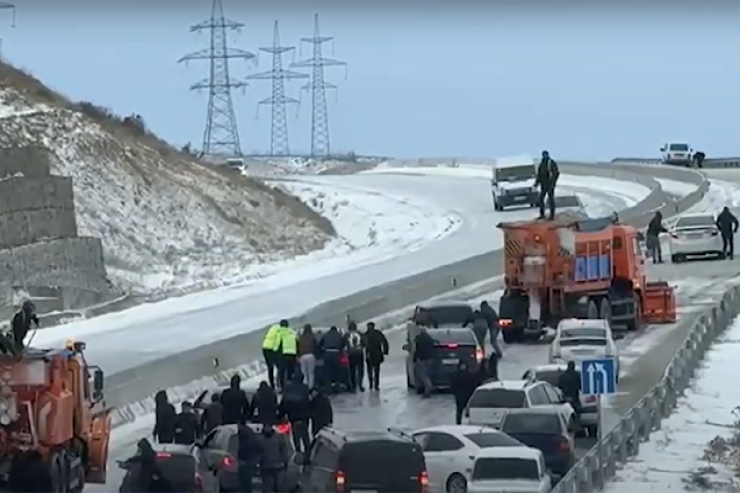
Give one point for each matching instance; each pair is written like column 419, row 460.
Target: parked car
column 582, row 339
column 182, row 469
column 677, row 153
column 695, row 235
column 510, row 469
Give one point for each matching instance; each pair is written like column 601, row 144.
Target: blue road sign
column 598, row 376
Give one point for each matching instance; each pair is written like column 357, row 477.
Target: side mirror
column 98, row 382
column 662, row 149
column 405, row 347
column 299, row 459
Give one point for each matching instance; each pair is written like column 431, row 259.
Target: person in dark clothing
column 30, row 474
column 569, row 383
column 492, row 366
column 547, row 179
column 322, row 414
column 247, row 454
column 355, row 345
column 22, row 324
column 463, row 384
column 424, row 352
column 493, row 326
column 331, row 346
column 307, row 349
column 164, row 421
column 235, row 403
column 265, row 405
column 727, row 224
column 187, row 427
column 699, row 158
column 144, row 473
column 652, row 238
column 295, row 405
column 213, row 413
column 376, row 349
column 479, row 323
column 273, row 458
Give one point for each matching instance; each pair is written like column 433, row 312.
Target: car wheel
column 457, row 484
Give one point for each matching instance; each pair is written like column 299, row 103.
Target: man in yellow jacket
column 288, row 353
column 271, row 350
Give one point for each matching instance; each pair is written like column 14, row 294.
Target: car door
column 442, row 455
column 555, row 399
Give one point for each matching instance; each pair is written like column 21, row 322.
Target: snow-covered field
column 698, row 446
column 675, row 188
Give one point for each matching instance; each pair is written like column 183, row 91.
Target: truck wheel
column 593, row 310
column 634, row 323
column 605, row 311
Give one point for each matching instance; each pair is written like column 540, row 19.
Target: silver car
column 695, row 235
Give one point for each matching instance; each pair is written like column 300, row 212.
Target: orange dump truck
column 577, row 269
column 47, row 404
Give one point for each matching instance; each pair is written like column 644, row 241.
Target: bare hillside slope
column 166, row 220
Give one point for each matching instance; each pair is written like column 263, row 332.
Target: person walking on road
column 235, row 403
column 376, row 349
column 727, row 224
column 273, row 458
column 478, row 322
column 547, row 179
column 288, row 353
column 331, row 346
column 423, row 356
column 569, row 383
column 265, row 405
column 247, row 454
column 307, row 347
column 213, row 414
column 164, row 418
column 652, row 239
column 296, row 406
column 493, row 326
column 270, row 347
column 463, row 384
column 322, row 414
column 356, row 355
column 187, row 426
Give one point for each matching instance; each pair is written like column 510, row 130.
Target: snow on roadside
column 697, row 447
column 676, row 188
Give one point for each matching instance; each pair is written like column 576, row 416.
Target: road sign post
column 599, row 377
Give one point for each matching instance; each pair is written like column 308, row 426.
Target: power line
column 221, row 136
column 279, row 143
column 320, row 142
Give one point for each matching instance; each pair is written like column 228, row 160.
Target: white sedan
column 581, row 339
column 450, row 450
column 695, row 235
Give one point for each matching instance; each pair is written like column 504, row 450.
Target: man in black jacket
column 265, row 405
column 423, row 354
column 463, row 384
column 547, row 179
column 164, row 418
column 570, row 385
column 296, row 406
column 235, row 403
column 248, row 453
column 186, row 425
column 331, row 346
column 322, row 414
column 375, row 352
column 652, row 240
column 213, row 414
column 727, row 224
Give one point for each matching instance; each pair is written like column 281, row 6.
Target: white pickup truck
column 677, row 153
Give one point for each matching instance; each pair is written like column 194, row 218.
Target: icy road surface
column 178, row 324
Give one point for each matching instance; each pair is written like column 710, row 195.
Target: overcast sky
column 584, row 79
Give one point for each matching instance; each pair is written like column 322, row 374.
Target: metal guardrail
column 623, row 441
column 711, row 163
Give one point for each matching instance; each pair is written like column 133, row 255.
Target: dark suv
column 363, row 460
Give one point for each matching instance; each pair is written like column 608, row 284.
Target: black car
column 545, row 430
column 218, row 453
column 180, row 468
column 340, row 461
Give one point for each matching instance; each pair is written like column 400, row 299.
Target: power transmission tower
column 11, row 7
column 221, row 136
column 320, row 143
column 279, row 144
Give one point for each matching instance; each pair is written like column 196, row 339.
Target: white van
column 512, row 182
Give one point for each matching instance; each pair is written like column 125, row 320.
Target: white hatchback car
column 449, row 452
column 581, row 339
column 695, row 235
column 491, row 401
column 510, row 469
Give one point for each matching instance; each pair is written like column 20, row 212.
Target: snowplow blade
column 660, row 303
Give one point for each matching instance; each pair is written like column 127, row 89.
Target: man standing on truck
column 547, row 178
column 652, row 240
column 727, row 224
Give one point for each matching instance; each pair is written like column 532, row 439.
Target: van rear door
column 382, row 466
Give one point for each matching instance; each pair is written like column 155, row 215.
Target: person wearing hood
column 652, row 240
column 296, row 407
column 376, row 349
column 331, row 346
column 213, row 414
column 479, row 323
column 186, row 425
column 23, row 322
column 235, row 403
column 547, row 179
column 145, row 474
column 322, row 414
column 288, row 353
column 463, row 384
column 273, row 459
column 307, row 348
column 423, row 359
column 727, row 224
column 569, row 383
column 164, row 418
column 265, row 405
column 30, row 474
column 355, row 344
column 247, row 455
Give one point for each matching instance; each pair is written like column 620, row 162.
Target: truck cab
column 512, row 182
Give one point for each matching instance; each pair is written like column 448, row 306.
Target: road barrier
column 623, row 441
column 710, row 163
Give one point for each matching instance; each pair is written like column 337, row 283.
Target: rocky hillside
column 167, row 221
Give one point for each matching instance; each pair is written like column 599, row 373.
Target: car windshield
column 497, row 399
column 453, row 336
column 545, row 423
column 492, row 468
column 582, row 341
column 515, row 173
column 695, row 222
column 550, row 376
column 585, row 332
column 679, row 147
column 487, row 440
column 448, row 315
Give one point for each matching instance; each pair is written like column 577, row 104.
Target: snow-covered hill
column 166, row 220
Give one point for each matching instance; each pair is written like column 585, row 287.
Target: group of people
column 289, row 353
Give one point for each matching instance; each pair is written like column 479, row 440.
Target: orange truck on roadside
column 591, row 268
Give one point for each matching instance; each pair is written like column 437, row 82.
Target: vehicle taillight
column 564, row 445
column 479, row 355
column 163, row 455
column 452, row 346
column 424, row 481
column 341, row 480
column 344, row 360
column 283, row 428
column 504, row 322
column 228, row 462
